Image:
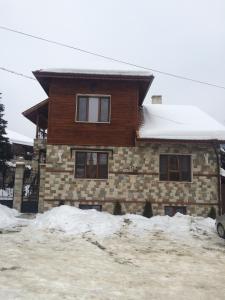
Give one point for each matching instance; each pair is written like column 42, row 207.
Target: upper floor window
column 93, row 109
column 175, row 167
column 91, row 165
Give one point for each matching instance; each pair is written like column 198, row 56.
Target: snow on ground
column 9, row 218
column 76, row 221
column 67, row 253
column 72, row 220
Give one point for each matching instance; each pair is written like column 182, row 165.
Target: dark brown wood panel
column 62, row 128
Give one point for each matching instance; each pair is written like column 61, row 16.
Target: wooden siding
column 62, row 128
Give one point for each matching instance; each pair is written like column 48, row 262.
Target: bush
column 117, row 208
column 212, row 213
column 148, row 210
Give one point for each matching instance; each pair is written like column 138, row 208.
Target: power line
column 111, row 58
column 16, row 73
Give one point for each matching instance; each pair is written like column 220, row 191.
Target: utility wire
column 16, row 73
column 110, row 58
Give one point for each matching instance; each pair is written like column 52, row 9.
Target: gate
column 30, row 192
column 7, row 177
column 6, row 197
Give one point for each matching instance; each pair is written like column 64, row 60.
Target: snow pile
column 178, row 226
column 72, row 220
column 8, row 217
column 179, row 122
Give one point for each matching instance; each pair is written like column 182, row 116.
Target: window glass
column 80, row 164
column 175, row 167
column 173, row 162
column 185, row 166
column 104, row 110
column 103, row 165
column 91, row 165
column 174, row 176
column 89, row 206
column 172, row 210
column 163, row 167
column 103, row 157
column 93, row 109
column 82, row 108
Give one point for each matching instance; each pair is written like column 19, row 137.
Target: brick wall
column 133, row 179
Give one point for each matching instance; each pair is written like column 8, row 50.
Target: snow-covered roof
column 97, row 72
column 17, row 138
column 179, row 122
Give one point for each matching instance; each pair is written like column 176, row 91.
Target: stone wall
column 133, row 179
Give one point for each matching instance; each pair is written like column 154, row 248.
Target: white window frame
column 92, row 95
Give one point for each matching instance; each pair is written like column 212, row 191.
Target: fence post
column 18, row 185
column 41, row 188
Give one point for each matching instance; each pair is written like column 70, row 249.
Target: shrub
column 117, row 208
column 148, row 210
column 212, row 213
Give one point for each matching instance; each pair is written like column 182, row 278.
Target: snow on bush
column 8, row 217
column 75, row 221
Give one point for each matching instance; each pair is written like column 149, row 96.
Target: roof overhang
column 143, row 79
column 38, row 114
column 177, row 141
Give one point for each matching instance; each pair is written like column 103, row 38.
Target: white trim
column 92, row 95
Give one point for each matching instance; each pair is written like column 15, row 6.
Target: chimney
column 157, row 99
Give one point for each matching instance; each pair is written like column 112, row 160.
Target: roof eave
column 158, row 140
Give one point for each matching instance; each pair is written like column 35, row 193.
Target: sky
column 185, row 37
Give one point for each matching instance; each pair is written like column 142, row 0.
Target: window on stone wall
column 91, row 165
column 172, row 210
column 175, row 167
column 93, row 109
column 90, row 206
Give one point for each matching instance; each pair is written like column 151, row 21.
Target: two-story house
column 103, row 145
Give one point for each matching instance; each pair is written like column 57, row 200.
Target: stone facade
column 133, row 179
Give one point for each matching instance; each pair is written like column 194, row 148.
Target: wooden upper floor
column 90, row 107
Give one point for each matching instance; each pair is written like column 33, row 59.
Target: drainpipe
column 216, row 147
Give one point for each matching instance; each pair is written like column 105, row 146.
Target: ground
column 51, row 264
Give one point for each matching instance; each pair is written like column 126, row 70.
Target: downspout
column 216, row 147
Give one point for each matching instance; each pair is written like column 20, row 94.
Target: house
column 21, row 145
column 97, row 143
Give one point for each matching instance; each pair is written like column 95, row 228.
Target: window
column 93, row 109
column 87, row 206
column 175, row 167
column 172, row 210
column 91, row 165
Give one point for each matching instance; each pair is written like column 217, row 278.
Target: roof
column 179, row 122
column 39, row 111
column 143, row 78
column 17, row 138
column 97, row 72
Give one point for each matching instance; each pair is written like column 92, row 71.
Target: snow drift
column 72, row 220
column 76, row 221
column 8, row 217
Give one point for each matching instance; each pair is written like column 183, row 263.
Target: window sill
column 95, row 179
column 174, row 181
column 86, row 122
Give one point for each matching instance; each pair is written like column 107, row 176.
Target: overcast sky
column 185, row 37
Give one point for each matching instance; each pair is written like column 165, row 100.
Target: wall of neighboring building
column 133, row 179
column 62, row 128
